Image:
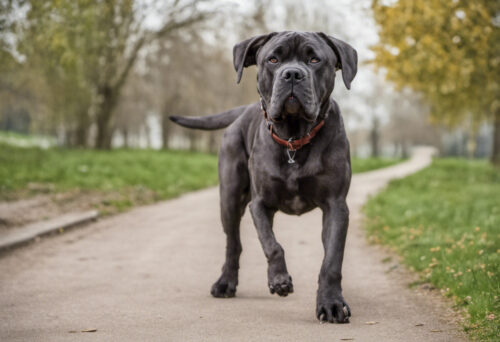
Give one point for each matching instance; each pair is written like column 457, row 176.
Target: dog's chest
column 291, row 189
column 296, row 191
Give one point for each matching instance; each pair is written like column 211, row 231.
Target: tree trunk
column 147, row 131
column 495, row 156
column 81, row 136
column 193, row 138
column 404, row 149
column 105, row 109
column 69, row 138
column 165, row 130
column 82, row 129
column 103, row 139
column 212, row 142
column 374, row 137
column 125, row 138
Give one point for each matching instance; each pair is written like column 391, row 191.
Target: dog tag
column 291, row 157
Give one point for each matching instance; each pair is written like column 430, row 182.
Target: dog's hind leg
column 234, row 196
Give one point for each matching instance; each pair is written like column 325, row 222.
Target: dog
column 288, row 152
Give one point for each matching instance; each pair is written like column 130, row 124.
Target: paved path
column 145, row 276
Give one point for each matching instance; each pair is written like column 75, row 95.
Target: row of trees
column 449, row 51
column 71, row 59
column 87, row 70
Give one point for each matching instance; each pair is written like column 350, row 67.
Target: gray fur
column 254, row 169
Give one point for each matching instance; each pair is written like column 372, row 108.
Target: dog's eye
column 314, row 60
column 273, row 60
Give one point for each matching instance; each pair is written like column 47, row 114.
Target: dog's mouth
column 292, row 105
column 292, row 102
column 294, row 108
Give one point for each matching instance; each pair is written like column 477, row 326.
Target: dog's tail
column 210, row 122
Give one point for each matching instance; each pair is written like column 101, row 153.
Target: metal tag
column 291, row 157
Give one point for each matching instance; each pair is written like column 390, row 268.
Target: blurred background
column 107, row 74
column 87, row 86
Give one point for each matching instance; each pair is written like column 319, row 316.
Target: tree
column 88, row 48
column 449, row 52
column 198, row 78
column 18, row 102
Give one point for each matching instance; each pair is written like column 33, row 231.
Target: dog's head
column 296, row 70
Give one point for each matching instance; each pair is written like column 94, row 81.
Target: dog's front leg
column 279, row 280
column 331, row 305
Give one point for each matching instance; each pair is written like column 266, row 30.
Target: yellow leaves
column 447, row 88
column 445, row 50
column 434, row 263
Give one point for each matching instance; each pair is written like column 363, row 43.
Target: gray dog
column 290, row 153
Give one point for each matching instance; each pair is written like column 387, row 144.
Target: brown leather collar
column 292, row 144
column 297, row 144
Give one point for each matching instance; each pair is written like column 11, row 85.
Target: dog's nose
column 292, row 74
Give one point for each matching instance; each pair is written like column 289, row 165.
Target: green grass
column 445, row 223
column 130, row 176
column 165, row 173
column 25, row 140
column 367, row 164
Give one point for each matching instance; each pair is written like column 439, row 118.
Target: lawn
column 445, row 223
column 367, row 164
column 165, row 173
column 132, row 176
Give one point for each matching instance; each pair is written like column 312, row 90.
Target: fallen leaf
column 436, row 330
column 419, row 324
column 392, row 268
column 89, row 330
column 371, row 322
column 72, row 331
column 347, row 339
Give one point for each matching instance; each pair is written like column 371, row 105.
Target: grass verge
column 114, row 180
column 25, row 171
column 444, row 221
column 368, row 164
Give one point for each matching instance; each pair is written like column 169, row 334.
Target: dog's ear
column 245, row 53
column 347, row 58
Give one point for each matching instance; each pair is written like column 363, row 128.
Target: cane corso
column 289, row 152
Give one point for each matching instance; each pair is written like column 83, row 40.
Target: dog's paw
column 224, row 288
column 281, row 284
column 333, row 310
